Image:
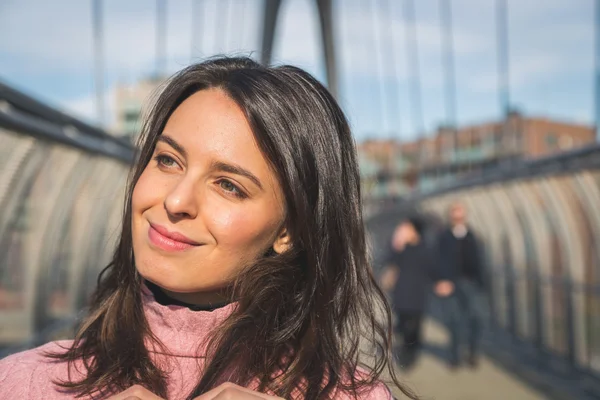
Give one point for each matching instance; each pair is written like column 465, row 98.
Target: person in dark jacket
column 462, row 280
column 408, row 275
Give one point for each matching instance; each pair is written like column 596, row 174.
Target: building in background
column 383, row 168
column 391, row 168
column 130, row 102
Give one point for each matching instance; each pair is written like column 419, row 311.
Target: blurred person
column 241, row 271
column 461, row 285
column 409, row 275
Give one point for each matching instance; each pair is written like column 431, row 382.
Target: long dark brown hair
column 309, row 314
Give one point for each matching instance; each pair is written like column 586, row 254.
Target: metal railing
column 539, row 223
column 61, row 188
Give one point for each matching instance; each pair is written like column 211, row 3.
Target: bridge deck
column 432, row 379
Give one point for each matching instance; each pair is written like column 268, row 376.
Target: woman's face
column 403, row 234
column 207, row 204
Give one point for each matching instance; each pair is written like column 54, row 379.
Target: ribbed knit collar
column 182, row 331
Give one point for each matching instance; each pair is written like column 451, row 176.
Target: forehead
column 210, row 122
column 408, row 225
column 458, row 212
column 211, row 127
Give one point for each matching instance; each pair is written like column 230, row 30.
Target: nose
column 181, row 202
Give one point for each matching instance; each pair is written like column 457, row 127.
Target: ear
column 283, row 242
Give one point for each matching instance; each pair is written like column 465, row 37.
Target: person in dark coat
column 408, row 275
column 461, row 284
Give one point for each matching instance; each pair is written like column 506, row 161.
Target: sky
column 46, row 51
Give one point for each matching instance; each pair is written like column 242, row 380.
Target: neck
column 202, row 299
column 169, row 319
column 194, row 301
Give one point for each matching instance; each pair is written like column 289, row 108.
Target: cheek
column 148, row 191
column 241, row 229
column 140, row 193
column 139, row 203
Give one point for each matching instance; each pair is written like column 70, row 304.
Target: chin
column 178, row 283
column 166, row 280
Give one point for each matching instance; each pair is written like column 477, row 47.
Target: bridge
column 62, row 184
column 539, row 223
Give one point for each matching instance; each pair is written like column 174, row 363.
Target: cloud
column 359, row 29
column 54, row 40
column 550, row 42
column 38, row 32
column 84, row 107
column 537, row 67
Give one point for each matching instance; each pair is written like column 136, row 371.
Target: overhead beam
column 325, row 8
column 325, row 11
column 269, row 24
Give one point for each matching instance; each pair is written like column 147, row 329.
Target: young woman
column 409, row 277
column 241, row 270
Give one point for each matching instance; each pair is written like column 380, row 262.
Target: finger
column 232, row 391
column 125, row 396
column 234, row 394
column 135, row 392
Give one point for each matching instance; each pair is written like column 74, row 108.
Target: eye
column 230, row 188
column 165, row 161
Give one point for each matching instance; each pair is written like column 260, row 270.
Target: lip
column 162, row 238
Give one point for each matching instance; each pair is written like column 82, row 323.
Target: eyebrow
column 235, row 169
column 215, row 165
column 173, row 143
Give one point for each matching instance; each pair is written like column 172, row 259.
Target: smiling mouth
column 169, row 241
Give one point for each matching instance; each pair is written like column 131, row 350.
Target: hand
column 230, row 391
column 399, row 239
column 136, row 392
column 389, row 278
column 444, row 288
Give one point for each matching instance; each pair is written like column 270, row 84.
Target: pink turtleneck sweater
column 29, row 375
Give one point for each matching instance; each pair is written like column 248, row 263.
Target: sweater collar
column 182, row 331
